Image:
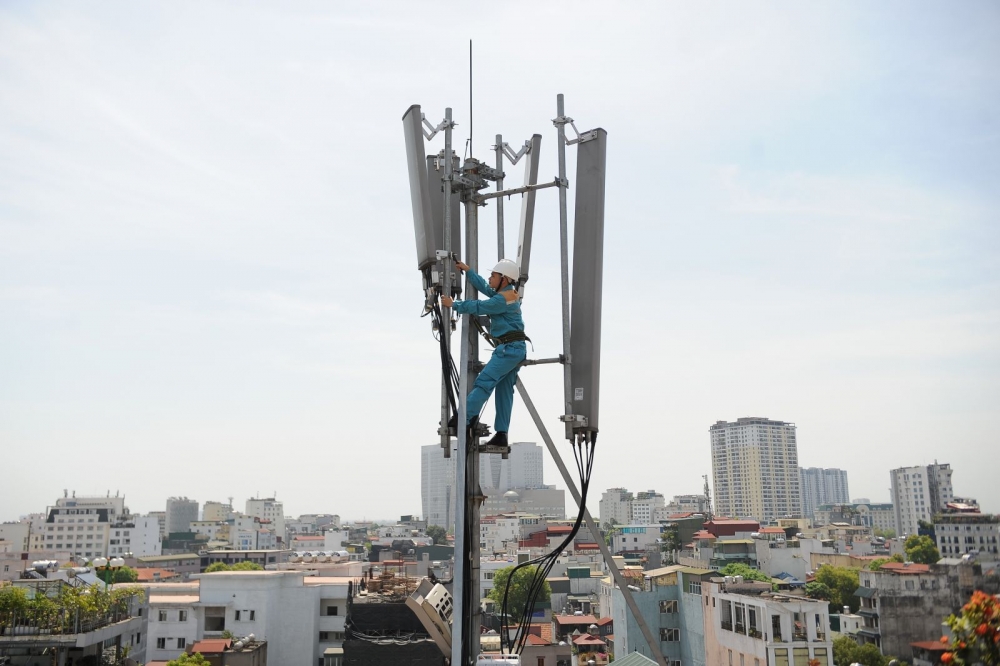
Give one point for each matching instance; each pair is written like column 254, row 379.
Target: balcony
column 728, row 626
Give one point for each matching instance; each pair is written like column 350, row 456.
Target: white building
column 688, row 504
column 268, row 509
column 15, row 535
column 135, row 535
column 497, row 532
column 645, row 507
column 876, row 516
column 635, row 537
column 81, row 525
column 745, row 623
column 918, row 493
column 180, row 513
column 299, row 614
column 755, row 466
column 522, row 471
column 615, row 506
column 961, row 533
column 161, row 518
column 822, row 486
column 247, row 533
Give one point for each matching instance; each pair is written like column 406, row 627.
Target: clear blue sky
column 207, row 276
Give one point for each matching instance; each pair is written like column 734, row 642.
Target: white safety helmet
column 508, row 269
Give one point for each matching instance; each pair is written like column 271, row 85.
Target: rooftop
column 905, row 568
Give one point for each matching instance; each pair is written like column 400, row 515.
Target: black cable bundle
column 583, row 452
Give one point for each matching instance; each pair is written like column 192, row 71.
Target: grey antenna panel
column 420, row 192
column 588, row 268
column 528, row 207
column 435, row 176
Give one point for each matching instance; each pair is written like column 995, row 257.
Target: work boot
column 498, row 440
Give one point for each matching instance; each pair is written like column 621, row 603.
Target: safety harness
column 513, row 336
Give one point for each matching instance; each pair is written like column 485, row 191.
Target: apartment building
column 876, row 516
column 755, row 466
column 918, row 493
column 646, row 507
column 300, row 615
column 615, row 506
column 216, row 512
column 670, row 601
column 271, row 510
column 962, row 533
column 822, row 486
column 903, row 603
column 746, row 624
column 179, row 515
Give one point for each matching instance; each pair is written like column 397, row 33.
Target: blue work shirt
column 504, row 317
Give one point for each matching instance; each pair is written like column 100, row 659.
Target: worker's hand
column 447, row 301
column 460, row 266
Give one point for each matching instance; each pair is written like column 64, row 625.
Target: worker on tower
column 503, row 307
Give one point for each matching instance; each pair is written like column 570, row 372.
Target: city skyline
column 207, row 260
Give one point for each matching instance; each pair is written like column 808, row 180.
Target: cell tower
column 441, row 185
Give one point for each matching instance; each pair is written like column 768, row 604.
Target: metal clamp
column 430, row 131
column 511, row 155
column 578, row 420
column 589, row 135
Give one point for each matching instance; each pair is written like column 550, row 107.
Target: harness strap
column 513, row 336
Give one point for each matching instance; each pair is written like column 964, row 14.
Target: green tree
column 186, row 659
column 748, row 572
column 124, row 575
column 921, row 549
column 517, row 596
column 246, row 565
column 842, row 583
column 885, row 534
column 437, row 533
column 217, row 566
column 847, row 652
column 816, row 590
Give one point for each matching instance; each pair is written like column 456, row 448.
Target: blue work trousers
column 500, row 374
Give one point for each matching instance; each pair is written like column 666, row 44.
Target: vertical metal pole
column 564, row 262
column 473, row 490
column 499, row 200
column 651, row 639
column 445, row 311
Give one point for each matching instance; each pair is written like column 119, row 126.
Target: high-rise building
column 918, row 493
column 521, row 471
column 615, row 506
column 822, row 486
column 645, row 506
column 268, row 509
column 755, row 465
column 181, row 512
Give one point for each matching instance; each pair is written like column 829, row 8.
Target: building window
column 668, row 606
column 161, row 643
column 181, row 642
column 238, row 615
column 669, row 635
column 800, row 656
column 331, row 610
column 253, row 615
column 161, row 616
column 182, row 616
column 780, row 656
column 820, row 655
column 215, row 618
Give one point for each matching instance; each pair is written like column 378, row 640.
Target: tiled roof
column 931, row 646
column 587, row 639
column 536, row 640
column 211, row 645
column 152, row 574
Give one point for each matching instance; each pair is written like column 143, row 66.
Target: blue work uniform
column 500, row 373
